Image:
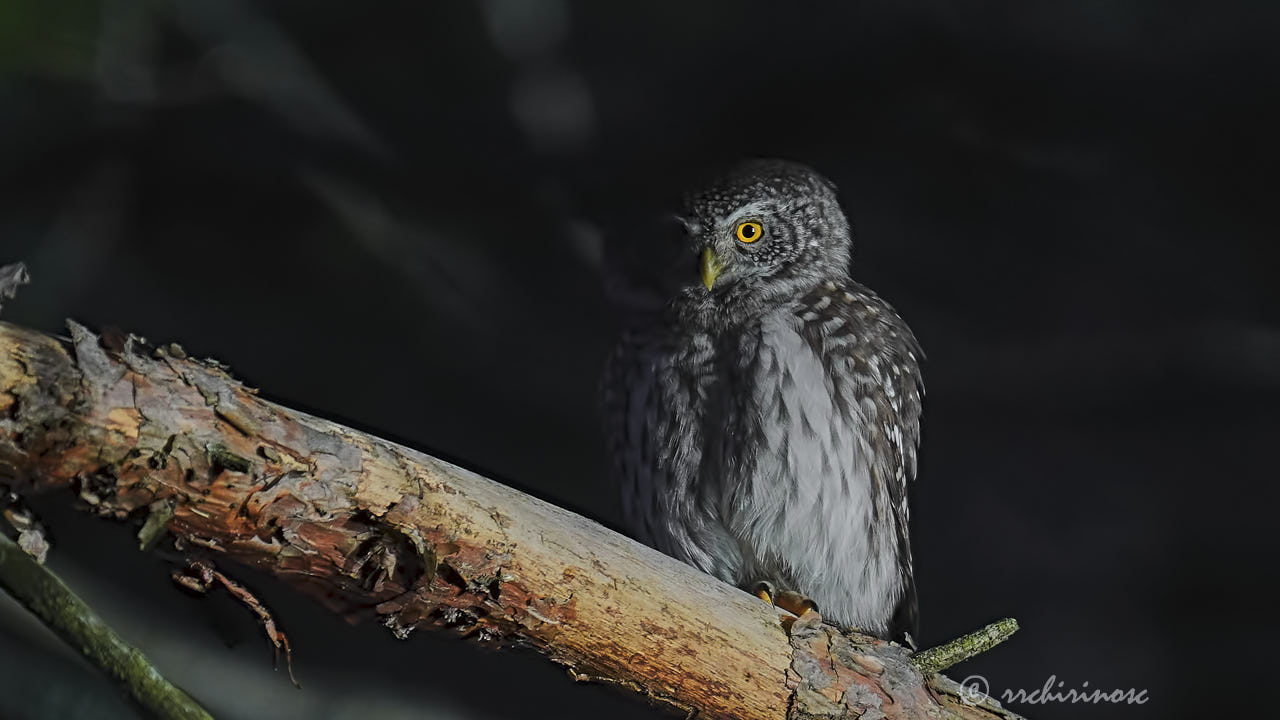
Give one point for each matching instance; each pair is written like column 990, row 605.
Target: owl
column 764, row 425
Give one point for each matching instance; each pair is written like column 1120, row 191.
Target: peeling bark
column 374, row 529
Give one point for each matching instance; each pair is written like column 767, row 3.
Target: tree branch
column 376, row 529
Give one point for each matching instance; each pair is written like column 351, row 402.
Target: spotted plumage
column 764, row 427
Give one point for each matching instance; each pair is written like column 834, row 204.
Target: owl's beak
column 711, row 267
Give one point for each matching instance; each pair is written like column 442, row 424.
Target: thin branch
column 38, row 590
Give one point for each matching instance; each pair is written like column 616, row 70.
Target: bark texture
column 376, row 529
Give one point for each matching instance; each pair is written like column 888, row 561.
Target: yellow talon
column 795, row 603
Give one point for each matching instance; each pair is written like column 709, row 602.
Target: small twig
column 79, row 626
column 940, row 658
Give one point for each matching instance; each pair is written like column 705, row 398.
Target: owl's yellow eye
column 749, row 231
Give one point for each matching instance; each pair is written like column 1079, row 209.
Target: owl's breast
column 797, row 463
column 789, row 447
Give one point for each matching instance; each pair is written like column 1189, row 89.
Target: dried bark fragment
column 12, row 277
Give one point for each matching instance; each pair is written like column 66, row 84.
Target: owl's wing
column 653, row 397
column 873, row 361
column 626, row 392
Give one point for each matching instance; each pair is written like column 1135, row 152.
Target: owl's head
column 766, row 229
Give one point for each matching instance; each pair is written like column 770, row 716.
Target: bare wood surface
column 376, row 529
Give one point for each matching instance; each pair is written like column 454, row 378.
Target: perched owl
column 764, row 428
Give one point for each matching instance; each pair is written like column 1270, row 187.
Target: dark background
column 402, row 215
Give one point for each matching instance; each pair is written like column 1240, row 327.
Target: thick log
column 375, row 529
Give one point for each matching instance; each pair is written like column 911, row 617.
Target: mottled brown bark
column 376, row 529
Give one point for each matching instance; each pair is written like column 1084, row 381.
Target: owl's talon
column 809, row 617
column 804, row 609
column 795, row 603
column 764, row 591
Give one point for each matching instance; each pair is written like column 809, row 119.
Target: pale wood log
column 376, row 529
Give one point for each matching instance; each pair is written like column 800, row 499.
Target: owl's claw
column 764, row 591
column 789, row 600
column 795, row 603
